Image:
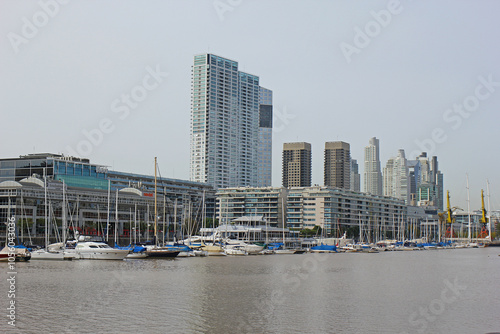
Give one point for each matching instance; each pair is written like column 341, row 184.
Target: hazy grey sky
column 411, row 73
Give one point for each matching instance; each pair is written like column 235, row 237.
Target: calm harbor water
column 440, row 291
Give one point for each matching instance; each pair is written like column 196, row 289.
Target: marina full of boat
column 243, row 236
column 99, row 250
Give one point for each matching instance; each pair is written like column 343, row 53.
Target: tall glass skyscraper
column 225, row 112
column 373, row 174
column 396, row 175
column 355, row 177
column 264, row 171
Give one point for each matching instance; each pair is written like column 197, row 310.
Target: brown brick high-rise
column 337, row 165
column 296, row 165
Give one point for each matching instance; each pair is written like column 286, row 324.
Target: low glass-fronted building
column 95, row 195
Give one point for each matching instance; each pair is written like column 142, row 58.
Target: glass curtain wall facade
column 355, row 177
column 92, row 179
column 73, row 171
column 264, row 171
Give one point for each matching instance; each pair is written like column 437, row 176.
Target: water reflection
column 323, row 293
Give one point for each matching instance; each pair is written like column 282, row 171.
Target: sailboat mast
column 203, row 211
column 175, row 220
column 46, row 221
column 156, row 210
column 107, row 219
column 449, row 220
column 116, row 218
column 468, row 208
column 360, row 230
column 164, row 213
column 64, row 222
column 135, row 223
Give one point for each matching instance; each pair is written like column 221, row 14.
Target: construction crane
column 449, row 220
column 484, row 220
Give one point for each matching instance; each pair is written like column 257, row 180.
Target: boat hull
column 186, row 254
column 284, row 251
column 140, row 255
column 235, row 251
column 44, row 255
column 21, row 254
column 199, row 252
column 161, row 253
column 213, row 250
column 118, row 254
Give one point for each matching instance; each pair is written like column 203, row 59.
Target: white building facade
column 224, row 123
column 373, row 174
column 396, row 177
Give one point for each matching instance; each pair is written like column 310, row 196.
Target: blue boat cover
column 325, row 248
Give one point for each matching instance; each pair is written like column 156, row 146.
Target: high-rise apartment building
column 355, row 177
column 337, row 165
column 373, row 175
column 396, row 177
column 296, row 165
column 264, row 171
column 225, row 117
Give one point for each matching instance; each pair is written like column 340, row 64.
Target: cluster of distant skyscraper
column 231, row 144
column 417, row 182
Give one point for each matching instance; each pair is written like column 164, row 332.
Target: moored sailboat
column 235, row 250
column 55, row 251
column 156, row 251
column 20, row 254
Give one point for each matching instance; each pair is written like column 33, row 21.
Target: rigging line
column 23, row 213
column 53, row 221
column 162, row 184
column 197, row 218
column 68, row 212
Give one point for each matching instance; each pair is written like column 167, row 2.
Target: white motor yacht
column 91, row 250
